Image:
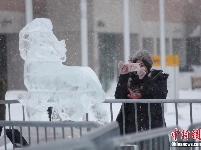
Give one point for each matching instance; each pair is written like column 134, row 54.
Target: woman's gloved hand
column 123, row 68
column 133, row 94
column 141, row 73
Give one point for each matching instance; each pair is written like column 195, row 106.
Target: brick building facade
column 105, row 32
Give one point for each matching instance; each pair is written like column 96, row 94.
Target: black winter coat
column 152, row 86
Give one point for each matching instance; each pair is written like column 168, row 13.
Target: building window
column 178, row 46
column 148, row 44
column 134, row 43
column 167, row 46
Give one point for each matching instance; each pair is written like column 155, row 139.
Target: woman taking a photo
column 146, row 83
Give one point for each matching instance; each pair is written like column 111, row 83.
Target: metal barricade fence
column 95, row 140
column 108, row 137
column 26, row 133
column 155, row 139
column 123, row 101
column 150, row 101
column 74, row 144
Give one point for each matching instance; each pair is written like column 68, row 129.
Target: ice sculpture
column 72, row 91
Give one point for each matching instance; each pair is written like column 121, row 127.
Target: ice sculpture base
column 68, row 105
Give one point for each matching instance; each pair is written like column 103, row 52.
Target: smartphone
column 133, row 67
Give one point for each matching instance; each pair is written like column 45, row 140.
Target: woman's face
column 142, row 65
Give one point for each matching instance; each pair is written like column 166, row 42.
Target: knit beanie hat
column 145, row 57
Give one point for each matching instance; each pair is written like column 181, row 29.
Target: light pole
column 28, row 11
column 162, row 35
column 126, row 30
column 84, row 35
